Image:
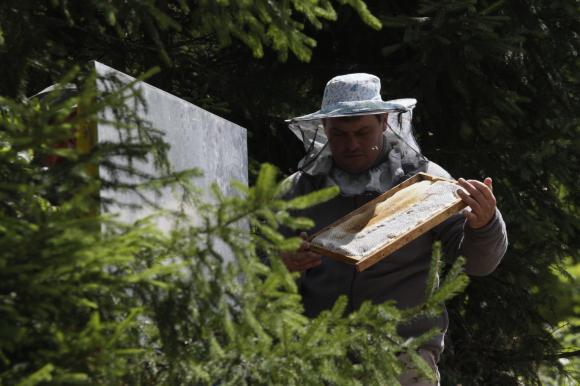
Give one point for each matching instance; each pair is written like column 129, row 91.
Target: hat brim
column 354, row 108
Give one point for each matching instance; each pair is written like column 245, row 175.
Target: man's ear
column 385, row 120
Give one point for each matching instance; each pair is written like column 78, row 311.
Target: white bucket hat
column 352, row 95
column 355, row 94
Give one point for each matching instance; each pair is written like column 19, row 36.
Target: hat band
column 341, row 109
column 358, row 107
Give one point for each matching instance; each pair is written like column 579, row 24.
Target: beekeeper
column 365, row 146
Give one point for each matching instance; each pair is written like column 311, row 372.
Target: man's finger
column 305, row 244
column 304, row 247
column 484, row 189
column 479, row 192
column 311, row 255
column 470, row 216
column 469, row 200
column 470, row 187
column 300, row 265
column 312, row 264
column 489, row 183
column 302, row 256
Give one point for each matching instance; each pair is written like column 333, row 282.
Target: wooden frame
column 365, row 262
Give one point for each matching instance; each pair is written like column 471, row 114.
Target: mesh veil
column 399, row 135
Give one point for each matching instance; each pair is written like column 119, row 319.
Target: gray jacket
column 401, row 276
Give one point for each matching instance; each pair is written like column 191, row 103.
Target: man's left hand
column 480, row 199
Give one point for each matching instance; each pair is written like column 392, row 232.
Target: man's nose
column 352, row 143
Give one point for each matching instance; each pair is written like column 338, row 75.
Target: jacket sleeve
column 483, row 248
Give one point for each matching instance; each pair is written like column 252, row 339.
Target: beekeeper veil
column 355, row 95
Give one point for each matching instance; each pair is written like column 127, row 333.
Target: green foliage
column 565, row 317
column 88, row 300
column 149, row 33
column 66, row 292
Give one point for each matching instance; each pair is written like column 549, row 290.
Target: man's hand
column 480, row 199
column 302, row 259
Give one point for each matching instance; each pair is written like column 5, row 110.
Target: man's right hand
column 302, row 259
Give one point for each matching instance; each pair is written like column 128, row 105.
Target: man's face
column 355, row 143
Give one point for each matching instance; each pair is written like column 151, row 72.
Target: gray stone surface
column 198, row 139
